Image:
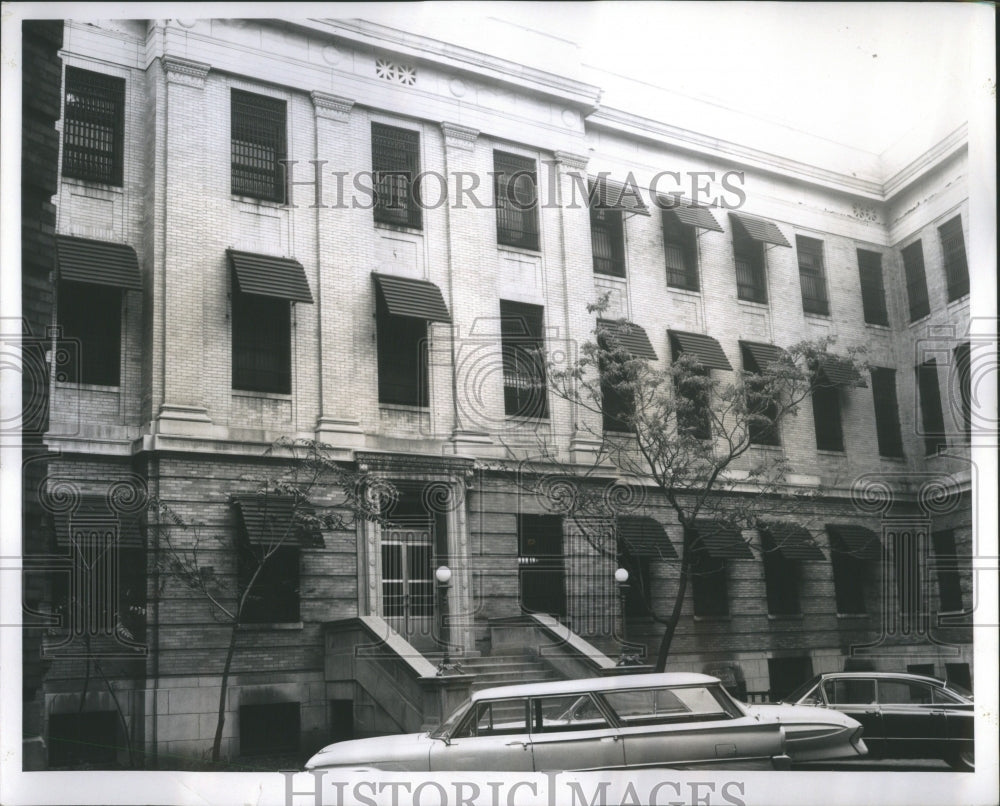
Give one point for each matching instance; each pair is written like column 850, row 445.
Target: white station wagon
column 684, row 721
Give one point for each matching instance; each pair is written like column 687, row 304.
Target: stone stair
column 504, row 670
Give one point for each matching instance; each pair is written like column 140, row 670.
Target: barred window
column 607, row 241
column 262, row 344
column 931, row 415
column 90, row 316
column 93, row 127
column 872, row 287
column 916, row 281
column 258, row 146
column 524, row 386
column 681, row 253
column 811, row 275
column 956, row 268
column 396, row 164
column 515, row 189
column 751, row 280
column 826, row 416
column 890, row 438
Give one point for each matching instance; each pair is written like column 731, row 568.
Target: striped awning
column 82, row 260
column 721, row 540
column 417, row 299
column 268, row 276
column 855, row 540
column 761, row 354
column 759, row 229
column 706, row 349
column 607, row 194
column 627, row 336
column 270, row 520
column 645, row 537
column 94, row 517
column 792, row 541
column 690, row 215
column 837, row 371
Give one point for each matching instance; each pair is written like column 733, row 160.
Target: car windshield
column 800, row 692
column 961, row 691
column 443, row 731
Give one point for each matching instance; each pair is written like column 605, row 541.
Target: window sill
column 390, row 227
column 784, row 617
column 958, row 301
column 93, row 184
column 831, row 453
column 277, row 626
column 274, row 205
column 603, row 275
column 769, row 448
column 403, row 407
column 262, row 395
column 887, row 329
column 690, row 292
column 813, row 315
column 919, row 321
column 852, row 616
column 710, row 619
column 894, row 459
column 520, row 250
column 519, row 419
column 753, row 304
column 87, row 387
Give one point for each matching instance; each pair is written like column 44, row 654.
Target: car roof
column 920, row 678
column 611, row 683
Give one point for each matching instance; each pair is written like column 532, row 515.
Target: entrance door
column 541, row 567
column 408, row 579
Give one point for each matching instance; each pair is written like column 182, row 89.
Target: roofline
column 610, row 683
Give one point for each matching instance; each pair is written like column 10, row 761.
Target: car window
column 802, row 691
column 659, row 705
column 941, row 695
column 903, row 692
column 571, row 712
column 851, row 691
column 495, row 718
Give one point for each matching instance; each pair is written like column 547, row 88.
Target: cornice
column 331, row 107
column 185, row 71
column 950, row 145
column 573, row 162
column 460, row 137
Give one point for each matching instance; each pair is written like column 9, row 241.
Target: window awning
column 762, row 354
column 690, row 215
column 855, row 540
column 793, row 541
column 706, row 349
column 759, row 229
column 268, row 276
column 82, row 260
column 628, row 336
column 269, row 520
column 93, row 518
column 838, row 371
column 607, row 194
column 722, row 541
column 417, row 299
column 646, row 537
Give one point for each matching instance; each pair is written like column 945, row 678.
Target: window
column 890, row 438
column 402, row 357
column 956, row 268
column 495, row 718
column 852, row 564
column 524, row 389
column 665, row 705
column 275, row 595
column 269, row 728
column 93, row 127
column 679, row 245
column 90, row 316
column 826, row 416
column 906, row 567
column 963, row 366
column 262, row 344
column 872, row 288
column 762, row 408
column 396, row 164
column 558, row 714
column 781, row 578
column 258, row 146
column 607, row 239
column 930, row 407
column 751, row 280
column 515, row 188
column 408, row 568
column 850, row 691
column 811, row 275
column 638, row 587
column 617, row 398
column 693, row 414
column 709, row 588
column 916, row 281
column 91, row 738
column 949, row 580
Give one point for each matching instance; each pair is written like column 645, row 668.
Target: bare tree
column 282, row 508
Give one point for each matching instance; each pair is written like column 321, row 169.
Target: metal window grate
column 872, row 288
column 93, row 128
column 523, row 343
column 956, row 267
column 811, row 276
column 258, row 146
column 607, row 242
column 751, row 284
column 515, row 188
column 396, row 164
column 916, row 281
column 681, row 254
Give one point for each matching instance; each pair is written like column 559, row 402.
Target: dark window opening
column 906, row 568
column 258, row 146
column 607, row 239
column 787, row 674
column 959, row 674
column 948, row 571
column 680, row 248
column 956, row 267
column 811, row 275
column 916, row 281
column 274, row 598
column 93, row 127
column 872, row 288
column 890, row 437
column 709, row 584
column 341, row 721
column 826, row 416
column 523, row 345
column 396, row 164
column 637, row 589
column 781, row 578
column 850, row 575
column 91, row 320
column 91, row 737
column 963, row 366
column 269, row 728
column 762, row 408
column 262, row 344
column 751, row 278
column 931, row 415
column 402, row 358
column 515, row 188
column 541, row 565
column 617, row 396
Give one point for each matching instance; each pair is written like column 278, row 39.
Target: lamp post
column 443, row 577
column 621, row 583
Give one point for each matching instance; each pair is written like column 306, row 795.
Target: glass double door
column 408, row 580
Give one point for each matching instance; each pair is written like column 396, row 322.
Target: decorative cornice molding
column 935, row 155
column 185, row 71
column 570, row 161
column 460, row 137
column 331, row 107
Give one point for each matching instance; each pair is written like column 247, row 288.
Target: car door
column 571, row 732
column 856, row 697
column 913, row 725
column 494, row 736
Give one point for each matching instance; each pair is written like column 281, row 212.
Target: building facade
column 207, row 308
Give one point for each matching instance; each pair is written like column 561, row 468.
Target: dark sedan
column 904, row 715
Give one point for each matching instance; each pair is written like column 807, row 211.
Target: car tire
column 963, row 759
